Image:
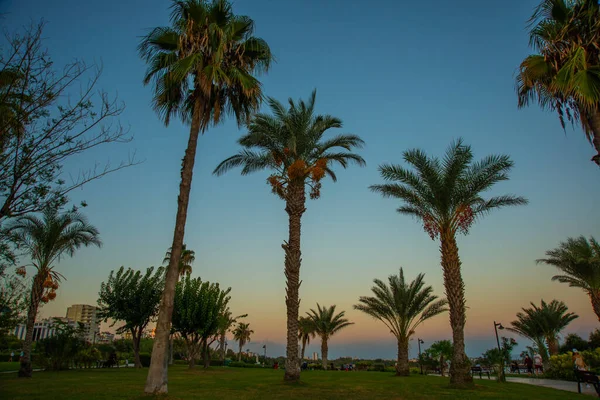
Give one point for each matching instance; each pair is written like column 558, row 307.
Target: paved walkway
column 555, row 384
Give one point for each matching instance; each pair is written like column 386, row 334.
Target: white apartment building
column 88, row 315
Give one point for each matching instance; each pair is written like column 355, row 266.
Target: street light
column 265, row 347
column 498, row 325
column 420, row 361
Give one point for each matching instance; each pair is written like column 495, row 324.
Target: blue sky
column 400, row 76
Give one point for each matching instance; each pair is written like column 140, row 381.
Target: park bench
column 588, row 378
column 480, row 371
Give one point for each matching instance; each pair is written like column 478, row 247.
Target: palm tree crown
column 242, row 333
column 290, row 143
column 185, row 261
column 326, row 322
column 546, row 321
column 564, row 76
column 47, row 238
column 446, row 194
column 400, row 305
column 205, row 59
column 579, row 260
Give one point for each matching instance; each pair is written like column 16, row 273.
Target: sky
column 399, row 74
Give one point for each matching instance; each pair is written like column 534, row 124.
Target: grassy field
column 239, row 383
column 9, row 366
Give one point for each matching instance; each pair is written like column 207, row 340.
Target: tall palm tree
column 185, row 261
column 203, row 68
column 306, row 331
column 543, row 324
column 242, row 335
column 402, row 306
column 46, row 240
column 326, row 324
column 446, row 195
column 579, row 261
column 291, row 145
column 564, row 74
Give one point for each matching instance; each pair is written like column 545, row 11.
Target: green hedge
column 241, row 364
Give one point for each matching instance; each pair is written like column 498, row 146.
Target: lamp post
column 265, row 361
column 420, row 360
column 498, row 325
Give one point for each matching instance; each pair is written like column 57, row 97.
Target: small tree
column 500, row 357
column 594, row 339
column 242, row 334
column 44, row 123
column 13, row 305
column 402, row 306
column 326, row 324
column 58, row 351
column 196, row 315
column 441, row 351
column 226, row 321
column 574, row 341
column 131, row 297
column 46, row 240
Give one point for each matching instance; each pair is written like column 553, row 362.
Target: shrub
column 378, row 367
column 241, row 364
column 315, row 366
column 144, row 359
column 363, row 365
column 414, row 370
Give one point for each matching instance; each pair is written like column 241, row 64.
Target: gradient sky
column 400, row 75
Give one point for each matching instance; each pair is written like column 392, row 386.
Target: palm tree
column 306, row 331
column 446, row 196
column 402, row 307
column 441, row 350
column 326, row 324
column 290, row 144
column 202, row 67
column 543, row 323
column 226, row 320
column 185, row 261
column 242, row 334
column 46, row 240
column 564, row 75
column 579, row 260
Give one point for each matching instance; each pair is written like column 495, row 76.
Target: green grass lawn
column 9, row 366
column 240, row 383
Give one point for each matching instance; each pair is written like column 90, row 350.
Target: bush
column 144, row 359
column 378, row 367
column 415, row 371
column 315, row 366
column 216, row 363
column 241, row 364
column 561, row 366
column 363, row 365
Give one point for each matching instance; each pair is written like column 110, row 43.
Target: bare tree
column 47, row 116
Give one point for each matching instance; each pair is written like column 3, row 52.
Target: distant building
column 88, row 315
column 42, row 329
column 105, row 337
column 315, row 356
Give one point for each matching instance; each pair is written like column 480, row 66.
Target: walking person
column 529, row 364
column 539, row 364
column 12, row 355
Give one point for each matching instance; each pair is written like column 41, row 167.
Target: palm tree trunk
column 303, row 349
column 552, row 345
column 442, row 364
column 37, row 290
column 324, row 351
column 455, row 293
column 295, row 201
column 402, row 369
column 157, row 379
column 240, row 352
column 595, row 298
column 594, row 123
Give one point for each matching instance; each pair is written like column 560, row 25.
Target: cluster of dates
column 298, row 170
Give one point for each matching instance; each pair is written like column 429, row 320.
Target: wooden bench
column 588, row 378
column 480, row 371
